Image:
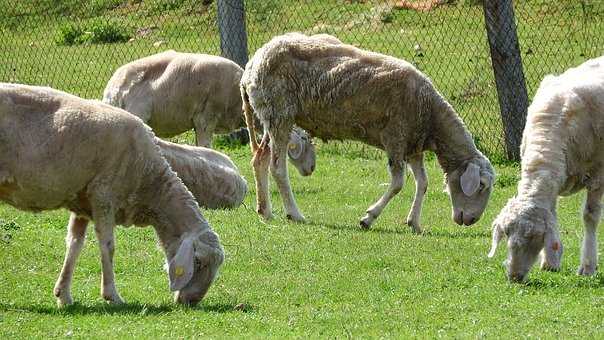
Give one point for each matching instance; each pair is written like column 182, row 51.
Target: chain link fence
column 76, row 45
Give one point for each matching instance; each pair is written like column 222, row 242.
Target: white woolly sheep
column 174, row 92
column 211, row 176
column 562, row 153
column 102, row 164
column 338, row 91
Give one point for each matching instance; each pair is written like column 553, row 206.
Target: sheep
column 174, row 92
column 102, row 164
column 338, row 91
column 209, row 175
column 561, row 154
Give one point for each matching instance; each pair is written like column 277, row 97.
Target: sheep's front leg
column 397, row 173
column 416, row 164
column 278, row 166
column 104, row 225
column 204, row 130
column 76, row 235
column 591, row 219
column 260, row 164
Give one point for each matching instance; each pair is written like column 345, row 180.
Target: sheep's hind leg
column 76, row 236
column 591, row 219
column 416, row 164
column 104, row 224
column 278, row 166
column 397, row 173
column 260, row 164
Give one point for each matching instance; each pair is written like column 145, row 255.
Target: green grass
column 325, row 278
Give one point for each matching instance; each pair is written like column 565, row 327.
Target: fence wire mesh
column 76, row 45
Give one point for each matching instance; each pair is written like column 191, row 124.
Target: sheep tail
column 249, row 119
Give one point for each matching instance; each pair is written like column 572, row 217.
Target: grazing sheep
column 562, row 152
column 102, row 164
column 174, row 92
column 211, row 176
column 337, row 91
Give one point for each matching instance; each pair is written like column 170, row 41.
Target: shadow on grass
column 567, row 278
column 357, row 228
column 458, row 233
column 404, row 229
column 135, row 308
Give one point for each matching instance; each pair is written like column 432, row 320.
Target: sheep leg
column 204, row 131
column 278, row 166
column 416, row 164
column 103, row 226
column 397, row 173
column 591, row 218
column 260, row 164
column 76, row 235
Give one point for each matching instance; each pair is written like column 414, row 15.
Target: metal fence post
column 509, row 74
column 231, row 25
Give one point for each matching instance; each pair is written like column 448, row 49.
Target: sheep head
column 469, row 187
column 194, row 266
column 301, row 151
column 529, row 229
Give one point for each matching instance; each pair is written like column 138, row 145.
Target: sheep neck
column 450, row 139
column 176, row 212
column 543, row 161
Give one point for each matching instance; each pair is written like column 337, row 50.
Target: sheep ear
column 552, row 247
column 470, row 180
column 496, row 237
column 180, row 268
column 294, row 147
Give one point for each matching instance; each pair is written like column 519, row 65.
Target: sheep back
column 565, row 123
column 167, row 90
column 57, row 148
column 338, row 91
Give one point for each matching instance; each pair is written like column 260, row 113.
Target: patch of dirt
column 422, row 5
column 145, row 31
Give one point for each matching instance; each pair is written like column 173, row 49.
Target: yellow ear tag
column 179, row 271
column 292, row 146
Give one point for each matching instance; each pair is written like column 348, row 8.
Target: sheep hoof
column 586, row 270
column 366, row 221
column 548, row 267
column 114, row 299
column 296, row 218
column 265, row 213
column 63, row 297
column 414, row 226
column 64, row 301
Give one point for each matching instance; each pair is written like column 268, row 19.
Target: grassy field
column 327, row 277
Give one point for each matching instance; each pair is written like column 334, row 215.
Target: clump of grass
column 469, row 2
column 162, row 6
column 233, row 140
column 383, row 13
column 68, row 34
column 96, row 32
column 506, row 180
column 263, row 11
column 7, row 229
